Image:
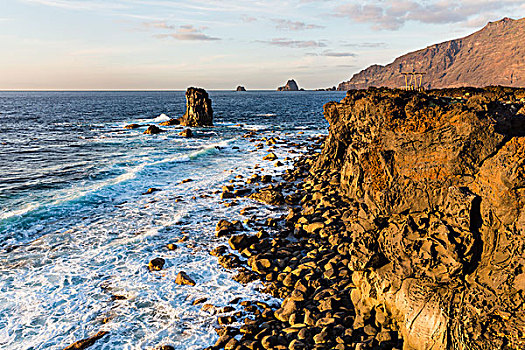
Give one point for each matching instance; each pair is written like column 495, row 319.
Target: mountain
column 494, row 55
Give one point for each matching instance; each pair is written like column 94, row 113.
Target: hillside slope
column 494, row 55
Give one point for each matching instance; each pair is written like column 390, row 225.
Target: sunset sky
column 163, row 44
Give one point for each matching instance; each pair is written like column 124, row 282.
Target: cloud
column 248, row 19
column 80, row 4
column 188, row 33
column 157, row 25
column 339, row 54
column 392, row 15
column 328, row 53
column 286, row 24
column 296, row 44
column 366, row 45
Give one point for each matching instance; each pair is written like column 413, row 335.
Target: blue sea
column 76, row 228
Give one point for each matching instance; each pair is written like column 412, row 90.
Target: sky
column 260, row 44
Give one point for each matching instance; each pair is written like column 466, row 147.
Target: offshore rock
column 291, row 85
column 240, row 88
column 183, row 279
column 198, row 108
column 441, row 238
column 86, row 343
column 170, row 122
column 153, row 130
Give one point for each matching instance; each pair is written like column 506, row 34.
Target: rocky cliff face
column 291, row 85
column 198, row 108
column 494, row 55
column 439, row 241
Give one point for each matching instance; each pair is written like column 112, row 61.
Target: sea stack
column 241, row 88
column 291, row 85
column 198, row 108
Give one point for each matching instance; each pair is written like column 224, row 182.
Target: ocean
column 77, row 231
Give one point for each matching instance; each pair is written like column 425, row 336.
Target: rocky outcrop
column 491, row 56
column 438, row 242
column 198, row 108
column 291, row 85
column 153, row 130
column 241, row 88
column 86, row 343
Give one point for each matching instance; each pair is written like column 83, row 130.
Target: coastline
column 348, row 274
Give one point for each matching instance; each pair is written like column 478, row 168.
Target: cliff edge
column 439, row 239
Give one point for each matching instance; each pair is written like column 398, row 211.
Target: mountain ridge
column 494, row 55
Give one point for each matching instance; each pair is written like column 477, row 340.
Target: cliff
column 495, row 55
column 439, row 240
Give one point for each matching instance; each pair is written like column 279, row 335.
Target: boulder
column 186, row 133
column 86, row 343
column 153, row 130
column 183, row 279
column 198, row 108
column 240, row 88
column 132, row 126
column 156, row 264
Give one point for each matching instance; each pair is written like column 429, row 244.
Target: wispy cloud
column 296, row 44
column 392, row 15
column 329, row 53
column 285, row 24
column 366, row 45
column 157, row 25
column 188, row 33
column 248, row 19
column 81, row 4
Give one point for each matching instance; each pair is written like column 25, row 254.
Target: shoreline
column 298, row 262
column 350, row 272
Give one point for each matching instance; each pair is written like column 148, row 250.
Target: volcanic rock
column 170, row 122
column 86, row 343
column 132, row 126
column 198, row 108
column 156, row 264
column 438, row 241
column 291, row 85
column 153, row 130
column 183, row 279
column 186, row 133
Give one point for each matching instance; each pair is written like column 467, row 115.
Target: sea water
column 76, row 228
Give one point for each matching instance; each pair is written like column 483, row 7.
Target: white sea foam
column 52, row 291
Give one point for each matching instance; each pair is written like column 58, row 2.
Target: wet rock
column 86, row 343
column 219, row 251
column 170, row 122
column 156, row 264
column 270, row 157
column 183, row 279
column 153, row 130
column 171, row 246
column 165, row 347
column 199, row 301
column 186, row 133
column 198, row 108
column 269, row 196
column 225, row 227
column 151, row 190
column 132, row 126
